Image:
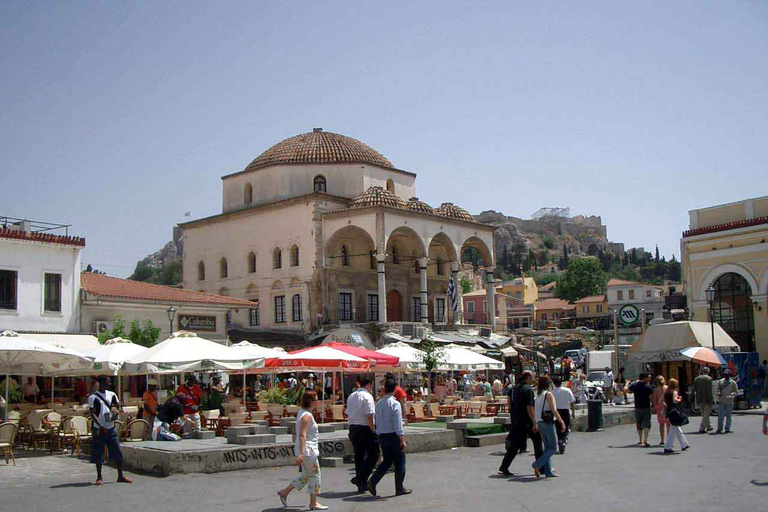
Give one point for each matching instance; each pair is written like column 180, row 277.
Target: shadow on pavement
column 73, row 484
column 759, row 484
column 340, row 494
column 527, row 479
column 633, row 445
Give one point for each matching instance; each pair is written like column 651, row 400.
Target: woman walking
column 657, row 399
column 545, row 411
column 307, row 437
column 580, row 388
column 671, row 401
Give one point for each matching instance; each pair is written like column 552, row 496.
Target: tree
column 626, row 259
column 673, row 270
column 146, row 336
column 142, row 273
column 549, row 243
column 432, row 354
column 546, row 279
column 466, row 285
column 564, row 260
column 583, row 278
column 657, row 254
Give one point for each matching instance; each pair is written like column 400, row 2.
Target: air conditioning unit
column 485, row 332
column 406, row 330
column 100, row 326
column 421, row 333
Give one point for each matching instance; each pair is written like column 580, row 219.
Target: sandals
column 536, row 471
column 283, row 499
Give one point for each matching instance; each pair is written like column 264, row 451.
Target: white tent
column 459, row 358
column 663, row 342
column 257, row 351
column 410, row 356
column 186, row 352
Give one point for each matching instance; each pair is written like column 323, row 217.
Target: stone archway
column 732, row 309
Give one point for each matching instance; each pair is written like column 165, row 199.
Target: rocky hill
column 161, row 267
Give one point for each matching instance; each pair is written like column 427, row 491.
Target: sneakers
column 683, row 449
column 667, row 452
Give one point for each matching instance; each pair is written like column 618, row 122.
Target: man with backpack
column 104, row 407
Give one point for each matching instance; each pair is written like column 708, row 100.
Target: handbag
column 676, row 416
column 547, row 417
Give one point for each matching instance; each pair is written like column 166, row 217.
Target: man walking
column 389, row 427
column 361, row 410
column 727, row 389
column 702, row 391
column 104, row 407
column 643, row 391
column 523, row 424
column 608, row 384
column 564, row 401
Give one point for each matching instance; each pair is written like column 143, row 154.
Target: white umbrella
column 256, row 351
column 25, row 356
column 186, row 352
column 459, row 358
column 410, row 357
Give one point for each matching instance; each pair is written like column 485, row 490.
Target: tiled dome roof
column 319, row 147
column 419, row 206
column 454, row 212
column 377, row 196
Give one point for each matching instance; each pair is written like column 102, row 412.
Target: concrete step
column 331, row 462
column 204, row 434
column 325, row 428
column 240, row 430
column 485, row 440
column 501, row 421
column 456, row 425
column 286, row 422
column 278, row 430
column 473, row 416
column 444, row 418
column 254, row 439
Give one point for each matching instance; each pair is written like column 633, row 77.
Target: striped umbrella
column 703, row 355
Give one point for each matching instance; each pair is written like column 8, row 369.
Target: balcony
column 349, row 316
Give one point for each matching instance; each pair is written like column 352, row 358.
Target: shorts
column 112, row 443
column 643, row 418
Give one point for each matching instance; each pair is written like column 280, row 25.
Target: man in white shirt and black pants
column 361, row 410
column 104, row 407
column 564, row 400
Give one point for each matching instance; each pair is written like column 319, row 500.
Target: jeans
column 393, row 454
column 675, row 434
column 549, row 436
column 706, row 410
column 366, row 448
column 724, row 411
column 517, row 440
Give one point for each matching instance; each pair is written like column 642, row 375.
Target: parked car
column 584, row 328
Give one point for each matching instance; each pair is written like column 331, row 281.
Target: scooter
column 594, row 391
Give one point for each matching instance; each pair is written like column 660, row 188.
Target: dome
column 319, row 147
column 419, row 206
column 377, row 196
column 454, row 212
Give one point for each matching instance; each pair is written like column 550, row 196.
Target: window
column 554, row 316
column 320, row 184
column 201, row 271
column 248, row 194
column 373, row 307
column 485, row 306
column 53, row 292
column 440, row 269
column 296, row 308
column 277, row 258
column 395, row 255
column 416, row 308
column 599, row 308
column 619, row 295
column 470, row 307
column 440, row 311
column 223, row 268
column 416, row 266
column 344, row 256
column 544, row 316
column 648, row 293
column 391, row 186
column 631, row 294
column 585, row 309
column 280, row 309
column 345, row 307
column 294, row 255
column 8, row 279
column 253, row 317
column 251, row 263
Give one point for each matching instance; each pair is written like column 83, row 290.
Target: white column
column 380, row 264
column 455, row 277
column 491, row 297
column 424, row 294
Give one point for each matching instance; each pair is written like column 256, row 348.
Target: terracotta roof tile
column 42, row 237
column 107, row 286
column 454, row 212
column 548, row 287
column 553, row 304
column 725, row 227
column 377, row 196
column 590, row 299
column 621, row 282
column 416, row 205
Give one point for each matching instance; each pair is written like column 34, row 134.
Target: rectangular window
column 53, row 292
column 416, row 308
column 440, row 310
column 345, row 307
column 631, row 294
column 599, row 308
column 485, row 306
column 8, row 279
column 296, row 308
column 280, row 309
column 373, row 307
column 253, row 317
column 543, row 316
column 648, row 293
column 585, row 309
column 470, row 307
column 619, row 295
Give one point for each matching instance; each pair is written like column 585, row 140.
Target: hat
column 191, row 378
column 726, row 372
column 151, row 382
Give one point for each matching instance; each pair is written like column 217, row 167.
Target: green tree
column 466, row 285
column 546, row 279
column 657, row 254
column 549, row 243
column 432, row 355
column 117, row 331
column 146, row 336
column 142, row 273
column 583, row 278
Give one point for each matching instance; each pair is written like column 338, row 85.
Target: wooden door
column 394, row 306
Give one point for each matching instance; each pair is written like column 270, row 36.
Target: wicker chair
column 8, row 433
column 138, row 430
column 82, row 429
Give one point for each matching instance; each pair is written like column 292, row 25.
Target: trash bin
column 594, row 415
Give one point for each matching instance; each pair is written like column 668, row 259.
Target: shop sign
column 628, row 315
column 197, row 323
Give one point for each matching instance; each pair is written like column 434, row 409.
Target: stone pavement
column 600, row 471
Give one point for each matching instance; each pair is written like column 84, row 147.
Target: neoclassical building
column 322, row 229
column 726, row 247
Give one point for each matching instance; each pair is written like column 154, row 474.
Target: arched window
column 251, row 263
column 320, row 184
column 201, row 271
column 395, row 255
column 733, row 309
column 440, row 269
column 277, row 258
column 391, row 186
column 296, row 303
column 223, row 268
column 248, row 194
column 294, row 255
column 344, row 256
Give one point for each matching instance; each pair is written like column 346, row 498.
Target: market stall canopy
column 459, row 358
column 186, row 352
column 509, row 352
column 108, row 358
column 83, row 343
column 375, row 358
column 663, row 342
column 410, row 358
column 249, row 349
column 318, row 358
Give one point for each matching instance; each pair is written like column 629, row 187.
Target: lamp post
column 710, row 294
column 171, row 315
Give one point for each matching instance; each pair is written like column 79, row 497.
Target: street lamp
column 171, row 315
column 710, row 294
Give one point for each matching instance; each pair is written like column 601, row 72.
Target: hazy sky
column 118, row 117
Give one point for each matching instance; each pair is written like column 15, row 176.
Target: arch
column 277, row 285
column 713, row 274
column 201, row 271
column 476, row 243
column 732, row 309
column 294, row 255
column 320, row 184
column 442, row 252
column 296, row 308
column 223, row 268
column 349, row 247
column 394, row 306
column 395, row 254
column 251, row 289
column 277, row 258
column 404, row 242
column 391, row 186
column 223, row 291
column 251, row 262
column 248, row 194
column 763, row 289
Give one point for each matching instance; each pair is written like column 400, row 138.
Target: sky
column 119, row 117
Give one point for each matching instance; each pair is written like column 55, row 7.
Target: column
column 380, row 264
column 491, row 297
column 424, row 293
column 457, row 285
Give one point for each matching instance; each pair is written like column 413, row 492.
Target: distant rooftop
column 38, row 231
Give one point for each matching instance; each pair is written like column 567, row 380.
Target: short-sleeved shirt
column 100, row 411
column 523, row 398
column 642, row 391
column 192, row 396
column 150, row 402
column 359, row 406
column 563, row 398
column 399, row 393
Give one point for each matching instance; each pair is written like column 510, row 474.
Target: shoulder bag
column 547, row 417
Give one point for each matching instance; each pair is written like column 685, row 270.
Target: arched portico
column 713, row 274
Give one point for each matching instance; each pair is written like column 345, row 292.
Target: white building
column 643, row 296
column 322, row 229
column 39, row 277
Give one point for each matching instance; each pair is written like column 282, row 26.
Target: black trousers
column 562, row 437
column 517, row 439
column 392, row 454
column 366, row 447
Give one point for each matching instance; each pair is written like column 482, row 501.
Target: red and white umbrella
column 375, row 358
column 318, row 358
column 703, row 355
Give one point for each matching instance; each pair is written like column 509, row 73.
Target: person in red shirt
column 81, row 391
column 190, row 395
column 399, row 394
